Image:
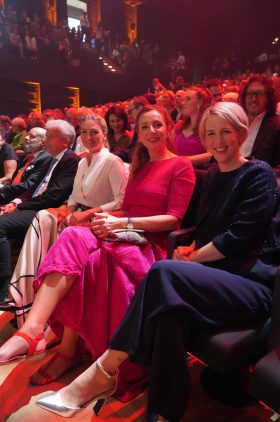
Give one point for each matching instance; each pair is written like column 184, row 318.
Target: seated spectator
column 53, row 190
column 31, row 44
column 6, row 128
column 158, row 194
column 179, row 84
column 157, row 86
column 35, row 119
column 16, row 42
column 257, row 97
column 19, row 128
column 186, row 137
column 29, row 174
column 224, row 279
column 119, row 137
column 231, row 96
column 8, row 161
column 180, row 96
column 216, row 88
column 166, row 99
column 135, row 105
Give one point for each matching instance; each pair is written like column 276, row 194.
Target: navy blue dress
column 238, row 213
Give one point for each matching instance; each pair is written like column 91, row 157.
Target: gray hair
column 66, row 130
column 229, row 111
column 39, row 132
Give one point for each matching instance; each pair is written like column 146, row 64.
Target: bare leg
column 93, row 381
column 52, row 290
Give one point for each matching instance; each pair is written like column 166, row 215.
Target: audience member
column 167, row 100
column 231, row 96
column 8, row 162
column 216, row 88
column 186, row 137
column 53, row 190
column 6, row 128
column 29, row 174
column 257, row 97
column 119, row 137
column 180, row 96
column 35, row 120
column 19, row 128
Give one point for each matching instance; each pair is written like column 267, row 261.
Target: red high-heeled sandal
column 43, row 372
column 32, row 343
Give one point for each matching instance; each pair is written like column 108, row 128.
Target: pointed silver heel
column 53, row 402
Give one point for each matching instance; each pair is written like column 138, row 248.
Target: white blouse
column 101, row 183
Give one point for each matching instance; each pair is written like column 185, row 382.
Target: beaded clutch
column 133, row 236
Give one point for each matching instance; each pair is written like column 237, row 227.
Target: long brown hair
column 203, row 95
column 141, row 154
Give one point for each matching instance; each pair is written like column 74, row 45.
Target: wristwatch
column 129, row 223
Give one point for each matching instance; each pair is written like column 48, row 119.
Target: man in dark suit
column 52, row 191
column 258, row 98
column 30, row 173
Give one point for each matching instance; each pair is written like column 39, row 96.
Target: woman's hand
column 183, row 253
column 77, row 218
column 103, row 224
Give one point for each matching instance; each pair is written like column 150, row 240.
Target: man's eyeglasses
column 257, row 94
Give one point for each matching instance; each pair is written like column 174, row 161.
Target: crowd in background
column 32, row 36
column 120, row 116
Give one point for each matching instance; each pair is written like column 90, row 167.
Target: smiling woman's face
column 92, row 136
column 223, row 141
column 116, row 123
column 152, row 130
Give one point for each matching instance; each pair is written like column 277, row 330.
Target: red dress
column 107, row 273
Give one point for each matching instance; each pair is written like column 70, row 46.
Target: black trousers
column 171, row 300
column 12, row 226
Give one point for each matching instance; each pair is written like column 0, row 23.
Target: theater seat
column 265, row 380
column 228, row 354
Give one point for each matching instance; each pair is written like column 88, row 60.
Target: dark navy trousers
column 172, row 298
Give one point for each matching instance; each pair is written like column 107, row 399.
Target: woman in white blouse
column 99, row 186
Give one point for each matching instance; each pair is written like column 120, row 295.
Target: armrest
column 274, row 340
column 179, row 237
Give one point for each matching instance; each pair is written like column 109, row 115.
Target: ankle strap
column 104, row 372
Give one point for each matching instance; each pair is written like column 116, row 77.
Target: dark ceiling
column 211, row 27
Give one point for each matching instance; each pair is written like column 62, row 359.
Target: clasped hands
column 104, row 224
column 184, row 253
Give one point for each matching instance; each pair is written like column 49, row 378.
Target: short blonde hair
column 229, row 111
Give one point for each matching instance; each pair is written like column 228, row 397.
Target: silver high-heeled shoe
column 53, row 402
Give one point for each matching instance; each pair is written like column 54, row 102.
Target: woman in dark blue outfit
column 223, row 279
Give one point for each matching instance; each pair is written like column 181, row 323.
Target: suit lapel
column 262, row 134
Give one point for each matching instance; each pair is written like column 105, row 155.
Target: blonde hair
column 232, row 112
column 99, row 121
